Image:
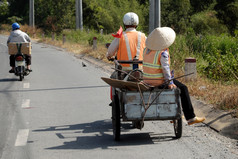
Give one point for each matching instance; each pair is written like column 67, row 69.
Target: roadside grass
column 78, row 48
column 222, row 95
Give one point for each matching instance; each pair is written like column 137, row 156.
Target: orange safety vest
column 131, row 45
column 152, row 68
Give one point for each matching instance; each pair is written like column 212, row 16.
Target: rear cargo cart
column 134, row 101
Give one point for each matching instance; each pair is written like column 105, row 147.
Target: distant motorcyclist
column 19, row 36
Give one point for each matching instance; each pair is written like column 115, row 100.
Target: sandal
column 11, row 71
column 30, row 70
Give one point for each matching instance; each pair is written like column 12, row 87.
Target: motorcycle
column 19, row 57
column 20, row 66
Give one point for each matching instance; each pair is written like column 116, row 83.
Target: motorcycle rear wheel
column 21, row 77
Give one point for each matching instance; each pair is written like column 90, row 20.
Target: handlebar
column 130, row 61
column 135, row 63
column 125, row 61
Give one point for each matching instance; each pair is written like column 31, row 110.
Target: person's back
column 18, row 36
column 156, row 69
column 129, row 44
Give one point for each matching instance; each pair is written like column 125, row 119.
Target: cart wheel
column 116, row 121
column 133, row 124
column 178, row 127
column 137, row 124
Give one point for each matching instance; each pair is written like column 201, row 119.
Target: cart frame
column 139, row 106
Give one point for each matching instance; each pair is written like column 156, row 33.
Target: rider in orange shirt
column 128, row 44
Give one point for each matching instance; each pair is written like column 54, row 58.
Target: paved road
column 60, row 111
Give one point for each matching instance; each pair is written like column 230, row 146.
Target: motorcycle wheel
column 21, row 77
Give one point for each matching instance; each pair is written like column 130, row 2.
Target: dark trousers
column 12, row 60
column 185, row 100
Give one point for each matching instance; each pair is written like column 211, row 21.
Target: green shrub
column 220, row 54
column 178, row 52
column 217, row 56
column 206, row 22
column 14, row 19
column 86, row 36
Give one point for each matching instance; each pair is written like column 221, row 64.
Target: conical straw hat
column 160, row 38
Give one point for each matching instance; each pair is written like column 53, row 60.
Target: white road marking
column 25, row 103
column 26, row 85
column 22, row 137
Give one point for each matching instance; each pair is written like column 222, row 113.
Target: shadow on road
column 9, row 79
column 218, row 118
column 98, row 134
column 54, row 89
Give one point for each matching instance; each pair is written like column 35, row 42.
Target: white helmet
column 131, row 18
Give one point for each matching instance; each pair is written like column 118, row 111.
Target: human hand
column 110, row 58
column 172, row 86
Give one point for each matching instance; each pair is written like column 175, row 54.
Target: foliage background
column 206, row 29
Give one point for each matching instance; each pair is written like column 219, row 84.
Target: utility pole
column 79, row 14
column 31, row 14
column 157, row 13
column 154, row 15
column 151, row 16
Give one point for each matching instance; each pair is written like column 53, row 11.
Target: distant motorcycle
column 20, row 62
column 20, row 66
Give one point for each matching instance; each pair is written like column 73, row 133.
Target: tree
column 20, row 9
column 200, row 5
column 175, row 14
column 108, row 14
column 228, row 13
column 56, row 15
column 3, row 10
column 206, row 22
